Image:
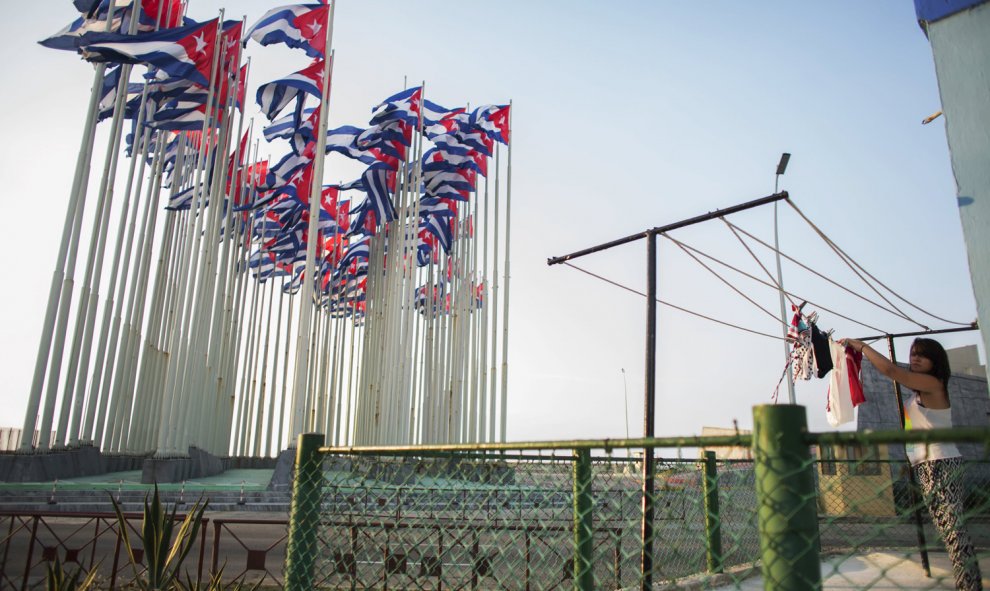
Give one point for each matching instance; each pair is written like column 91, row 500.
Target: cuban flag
column 184, row 52
column 160, row 14
column 387, row 142
column 287, row 167
column 401, row 106
column 276, row 95
column 460, row 181
column 434, row 113
column 93, row 20
column 361, row 249
column 439, row 227
column 435, row 159
column 108, row 95
column 493, row 120
column 301, row 26
column 305, row 134
column 343, row 140
column 437, row 207
column 376, row 182
column 284, row 127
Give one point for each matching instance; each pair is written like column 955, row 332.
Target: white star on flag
column 200, row 43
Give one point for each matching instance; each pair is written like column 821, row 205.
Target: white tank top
column 919, row 417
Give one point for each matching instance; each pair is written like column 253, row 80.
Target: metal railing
column 560, row 515
column 251, row 550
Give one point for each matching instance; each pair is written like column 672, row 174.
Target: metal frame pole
column 786, row 495
column 304, row 514
column 584, row 528
column 646, row 527
column 913, row 485
column 713, row 518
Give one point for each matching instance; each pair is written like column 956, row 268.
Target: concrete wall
column 959, row 33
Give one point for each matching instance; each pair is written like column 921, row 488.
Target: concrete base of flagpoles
column 74, row 462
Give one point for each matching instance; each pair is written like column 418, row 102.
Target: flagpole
column 505, row 296
column 494, row 367
column 109, row 332
column 208, row 284
column 297, row 419
column 61, row 286
column 121, row 369
column 149, row 376
column 179, row 361
column 487, row 399
column 281, row 441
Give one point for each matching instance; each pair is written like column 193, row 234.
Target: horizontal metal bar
column 606, row 444
column 974, row 326
column 956, row 435
column 674, row 226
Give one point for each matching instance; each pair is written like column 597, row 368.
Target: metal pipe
column 649, row 412
column 913, row 485
column 661, row 229
column 919, row 333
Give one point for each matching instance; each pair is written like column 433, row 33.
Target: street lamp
column 781, row 167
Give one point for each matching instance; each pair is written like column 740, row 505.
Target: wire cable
column 674, row 306
column 897, row 295
column 761, row 282
column 819, row 275
column 725, row 281
column 779, row 287
column 856, row 268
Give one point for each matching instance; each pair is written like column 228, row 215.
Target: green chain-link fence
column 569, row 515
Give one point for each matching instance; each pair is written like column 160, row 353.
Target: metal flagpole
column 78, row 369
column 280, row 440
column 505, row 296
column 110, row 330
column 494, row 430
column 487, row 397
column 122, row 250
column 61, row 286
column 269, row 431
column 297, row 419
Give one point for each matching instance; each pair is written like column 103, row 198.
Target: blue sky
column 627, row 115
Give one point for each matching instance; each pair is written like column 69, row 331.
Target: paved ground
column 881, row 571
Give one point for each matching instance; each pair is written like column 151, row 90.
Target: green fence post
column 304, row 513
column 713, row 519
column 785, row 492
column 584, row 532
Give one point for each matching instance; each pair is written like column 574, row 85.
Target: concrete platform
column 881, row 570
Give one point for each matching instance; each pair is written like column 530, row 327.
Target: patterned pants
column 942, row 489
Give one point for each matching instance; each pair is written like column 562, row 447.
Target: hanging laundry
column 845, row 390
column 854, row 361
column 802, row 354
column 823, row 357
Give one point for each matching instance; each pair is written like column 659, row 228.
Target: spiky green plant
column 60, row 580
column 163, row 555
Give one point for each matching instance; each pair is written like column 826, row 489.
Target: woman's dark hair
column 933, row 351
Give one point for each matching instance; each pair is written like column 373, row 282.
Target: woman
column 937, row 466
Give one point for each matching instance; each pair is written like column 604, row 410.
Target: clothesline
column 845, row 256
column 735, row 228
column 686, row 247
column 852, row 264
column 674, row 306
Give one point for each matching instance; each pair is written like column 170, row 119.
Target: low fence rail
column 563, row 515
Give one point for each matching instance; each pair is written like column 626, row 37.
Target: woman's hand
column 856, row 345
